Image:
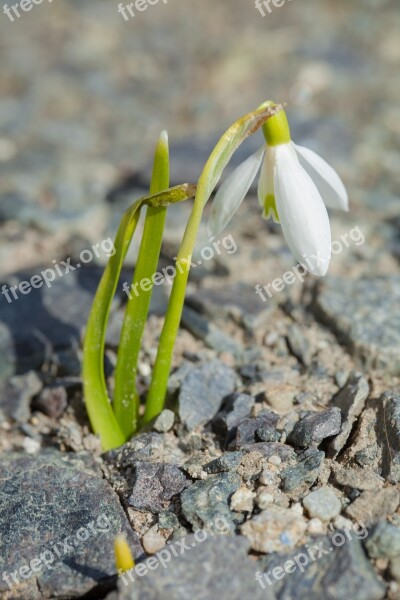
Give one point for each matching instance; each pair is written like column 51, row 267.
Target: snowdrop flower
column 293, row 186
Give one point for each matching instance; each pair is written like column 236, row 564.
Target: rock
column 16, row 396
column 315, row 427
column 155, row 484
column 358, row 479
column 298, row 344
column 371, row 506
column 236, row 408
column 215, row 568
column 364, row 314
column 58, row 508
column 52, row 401
column 275, row 529
column 202, row 392
column 165, row 421
column 388, row 434
column 146, row 447
column 227, row 462
column 281, row 397
column 334, row 573
column 248, row 432
column 302, row 476
column 315, row 527
column 212, row 336
column 153, row 541
column 243, row 500
column 323, row 504
column 351, row 401
column 206, row 501
column 269, row 449
column 383, row 541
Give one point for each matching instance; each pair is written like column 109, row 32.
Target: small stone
column 351, row 401
column 153, row 541
column 165, row 421
column 298, row 344
column 315, row 526
column 242, row 500
column 302, row 476
column 359, row 479
column 371, row 506
column 341, row 522
column 225, row 463
column 281, row 397
column 275, row 460
column 247, row 430
column 389, row 435
column 267, row 477
column 383, row 541
column 16, row 396
column 30, row 445
column 155, row 485
column 264, row 499
column 202, row 392
column 274, row 530
column 315, row 427
column 236, row 408
column 394, row 567
column 297, row 508
column 323, row 504
column 52, row 401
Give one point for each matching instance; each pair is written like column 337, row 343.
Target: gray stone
column 370, row 506
column 218, row 568
column 340, row 572
column 323, row 504
column 249, row 430
column 225, row 463
column 236, row 408
column 17, row 394
column 388, row 433
column 52, row 401
column 351, row 401
column 46, row 501
column 358, row 479
column 206, row 501
column 301, row 477
column 315, row 427
column 383, row 541
column 212, row 336
column 165, row 421
column 364, row 313
column 155, row 484
column 298, row 344
column 203, row 390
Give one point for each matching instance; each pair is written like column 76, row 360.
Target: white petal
column 325, row 178
column 232, row 192
column 302, row 213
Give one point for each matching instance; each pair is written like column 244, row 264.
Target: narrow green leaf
column 209, row 178
column 100, row 413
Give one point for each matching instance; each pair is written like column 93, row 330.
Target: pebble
column 242, row 500
column 323, row 504
column 275, row 460
column 370, row 506
column 153, row 541
column 267, row 477
column 31, row 446
column 315, row 526
column 264, row 499
column 383, row 541
column 315, row 427
column 274, row 530
column 165, row 421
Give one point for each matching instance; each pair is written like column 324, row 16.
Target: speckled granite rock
column 55, row 504
column 365, row 315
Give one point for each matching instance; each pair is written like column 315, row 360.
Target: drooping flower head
column 294, row 188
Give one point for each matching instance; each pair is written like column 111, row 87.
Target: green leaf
column 219, row 158
column 99, row 409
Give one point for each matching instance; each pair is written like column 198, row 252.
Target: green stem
column 209, row 178
column 126, row 400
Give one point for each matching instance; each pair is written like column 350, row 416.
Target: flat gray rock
column 388, row 433
column 58, row 520
column 203, row 390
column 365, row 316
column 217, row 568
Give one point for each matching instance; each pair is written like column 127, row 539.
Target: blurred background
column 84, row 94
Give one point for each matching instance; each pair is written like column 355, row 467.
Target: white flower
column 293, row 186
